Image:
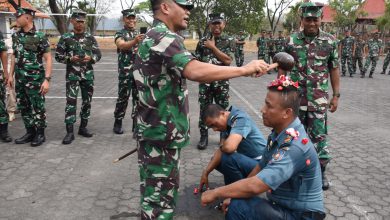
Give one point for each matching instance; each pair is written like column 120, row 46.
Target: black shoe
column 69, row 137
column 4, row 136
column 118, row 126
column 39, row 138
column 342, row 75
column 325, row 181
column 204, row 140
column 370, row 76
column 28, row 137
column 83, row 131
column 351, row 75
column 383, row 72
column 362, row 76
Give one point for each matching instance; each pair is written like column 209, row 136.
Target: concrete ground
column 79, row 181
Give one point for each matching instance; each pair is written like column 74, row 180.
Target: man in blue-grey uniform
column 289, row 170
column 242, row 143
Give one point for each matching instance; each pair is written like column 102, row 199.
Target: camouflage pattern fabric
column 280, row 44
column 162, row 117
column 159, row 179
column 126, row 83
column 346, row 55
column 387, row 58
column 218, row 90
column 78, row 74
column 314, row 60
column 262, row 53
column 29, row 48
column 271, row 49
column 358, row 56
column 374, row 47
column 3, row 108
column 239, row 55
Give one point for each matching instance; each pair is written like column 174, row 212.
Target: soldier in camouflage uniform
column 240, row 42
column 280, row 43
column 161, row 67
column 220, row 51
column 347, row 47
column 358, row 55
column 126, row 41
column 374, row 47
column 78, row 50
column 387, row 58
column 271, row 46
column 261, row 43
column 4, row 136
column 316, row 56
column 30, row 48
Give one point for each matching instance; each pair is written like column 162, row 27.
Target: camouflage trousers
column 126, row 86
column 347, row 60
column 3, row 109
column 218, row 92
column 264, row 57
column 316, row 127
column 239, row 55
column 359, row 61
column 386, row 62
column 271, row 55
column 159, row 179
column 72, row 90
column 372, row 61
column 31, row 102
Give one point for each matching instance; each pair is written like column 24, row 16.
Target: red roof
column 7, row 7
column 328, row 14
column 373, row 8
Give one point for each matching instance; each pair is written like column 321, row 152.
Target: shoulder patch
column 278, row 155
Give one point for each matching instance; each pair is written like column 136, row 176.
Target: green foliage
column 346, row 12
column 383, row 22
column 292, row 19
column 143, row 6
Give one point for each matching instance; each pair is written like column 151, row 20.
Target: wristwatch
column 48, row 78
column 336, row 95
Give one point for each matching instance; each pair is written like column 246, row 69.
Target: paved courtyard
column 79, row 181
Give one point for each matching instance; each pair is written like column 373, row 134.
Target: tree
column 292, row 19
column 96, row 7
column 128, row 4
column 61, row 7
column 383, row 22
column 198, row 17
column 275, row 13
column 347, row 12
column 145, row 12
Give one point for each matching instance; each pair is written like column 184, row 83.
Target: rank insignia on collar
column 288, row 139
column 278, row 155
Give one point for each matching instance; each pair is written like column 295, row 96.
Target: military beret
column 216, row 17
column 21, row 11
column 79, row 15
column 311, row 9
column 129, row 12
column 185, row 3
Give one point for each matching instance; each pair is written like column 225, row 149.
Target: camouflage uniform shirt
column 374, row 47
column 29, row 48
column 71, row 44
column 314, row 60
column 280, row 44
column 224, row 43
column 359, row 49
column 262, row 45
column 126, row 58
column 240, row 37
column 347, row 44
column 162, row 110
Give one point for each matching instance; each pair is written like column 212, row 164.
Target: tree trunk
column 59, row 20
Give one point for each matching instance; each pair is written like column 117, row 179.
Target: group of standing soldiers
column 269, row 46
column 354, row 49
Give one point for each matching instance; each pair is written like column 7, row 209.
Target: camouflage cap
column 21, row 11
column 216, row 17
column 129, row 12
column 185, row 3
column 79, row 15
column 311, row 9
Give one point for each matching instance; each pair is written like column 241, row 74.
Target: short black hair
column 292, row 97
column 155, row 5
column 211, row 111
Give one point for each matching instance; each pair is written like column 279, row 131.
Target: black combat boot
column 4, row 136
column 69, row 137
column 118, row 126
column 39, row 138
column 83, row 131
column 28, row 137
column 204, row 140
column 325, row 181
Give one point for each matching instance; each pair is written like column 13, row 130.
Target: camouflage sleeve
column 198, row 50
column 61, row 55
column 258, row 42
column 334, row 56
column 232, row 48
column 44, row 44
column 14, row 42
column 288, row 46
column 118, row 34
column 176, row 55
column 96, row 53
column 3, row 47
